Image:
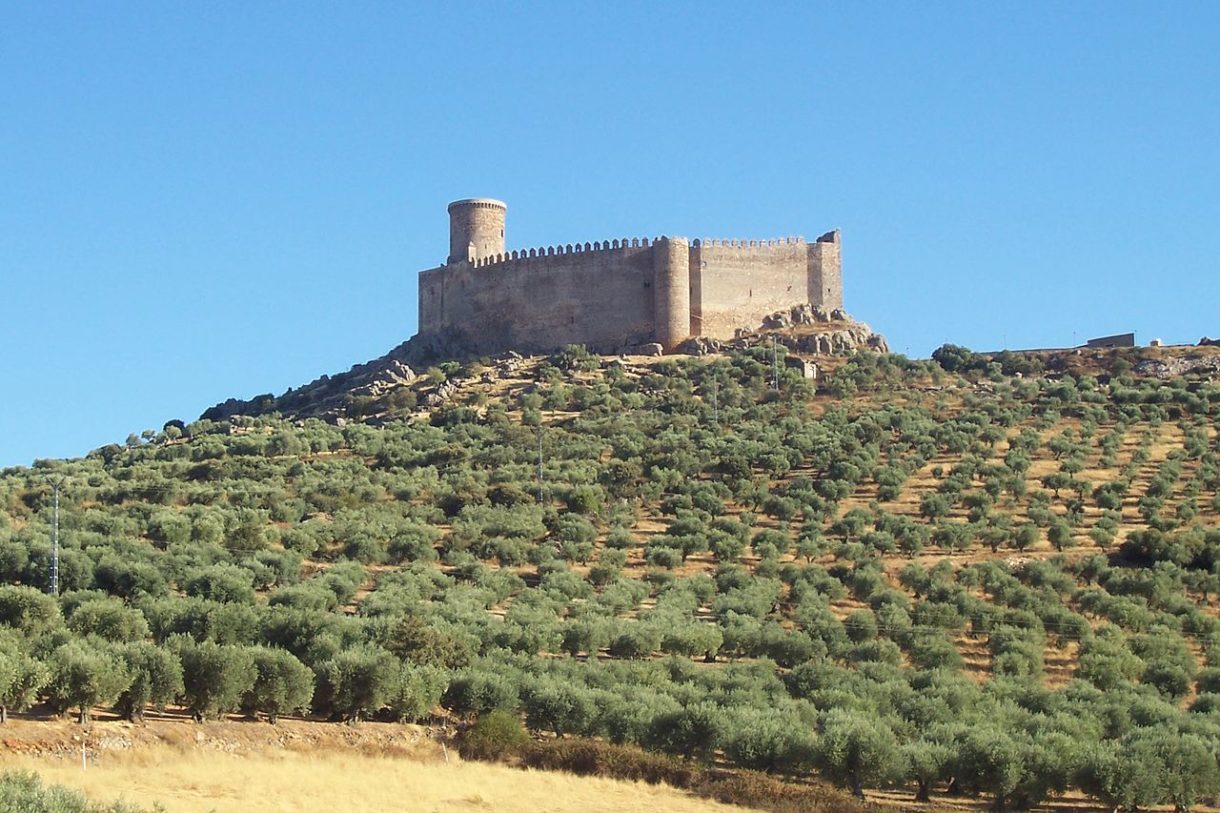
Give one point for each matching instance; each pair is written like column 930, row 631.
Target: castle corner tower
column 476, row 229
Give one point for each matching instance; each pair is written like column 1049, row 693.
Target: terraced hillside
column 987, row 577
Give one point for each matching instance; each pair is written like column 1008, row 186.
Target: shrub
column 497, row 736
column 25, row 793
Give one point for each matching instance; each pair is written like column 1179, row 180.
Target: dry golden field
column 296, row 767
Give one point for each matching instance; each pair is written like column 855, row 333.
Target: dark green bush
column 496, row 736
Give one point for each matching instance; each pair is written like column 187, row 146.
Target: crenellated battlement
column 610, row 294
column 563, row 250
column 773, row 243
column 478, row 203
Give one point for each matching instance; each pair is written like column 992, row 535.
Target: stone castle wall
column 614, row 294
column 541, row 299
column 739, row 282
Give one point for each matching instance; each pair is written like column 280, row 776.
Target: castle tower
column 826, row 272
column 476, row 229
column 671, row 291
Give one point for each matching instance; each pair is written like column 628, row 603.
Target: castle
column 614, row 295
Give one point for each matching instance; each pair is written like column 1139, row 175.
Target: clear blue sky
column 207, row 200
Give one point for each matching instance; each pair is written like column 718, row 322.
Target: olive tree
column 215, row 676
column 21, row 678
column 84, row 676
column 858, row 750
column 156, row 678
column 282, row 684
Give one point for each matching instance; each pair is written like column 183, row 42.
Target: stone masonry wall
column 601, row 298
column 734, row 284
column 613, row 295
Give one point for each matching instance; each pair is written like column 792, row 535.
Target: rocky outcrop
column 328, row 394
column 335, row 398
column 1176, row 367
column 847, row 337
column 809, row 329
column 364, row 389
column 832, row 342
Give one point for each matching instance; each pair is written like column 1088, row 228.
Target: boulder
column 699, row 346
column 877, row 342
column 777, row 320
column 402, row 372
column 802, row 315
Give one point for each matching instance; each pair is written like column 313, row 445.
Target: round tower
column 671, row 291
column 476, row 229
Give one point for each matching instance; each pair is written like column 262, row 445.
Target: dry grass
column 304, row 767
column 321, row 782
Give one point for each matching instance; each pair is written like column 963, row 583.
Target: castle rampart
column 613, row 294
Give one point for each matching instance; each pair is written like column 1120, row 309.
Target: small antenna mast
column 53, row 586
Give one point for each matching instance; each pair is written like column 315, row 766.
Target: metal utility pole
column 540, row 463
column 774, row 363
column 53, row 587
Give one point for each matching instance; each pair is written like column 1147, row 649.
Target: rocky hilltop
column 807, row 331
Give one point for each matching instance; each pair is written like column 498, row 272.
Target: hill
column 985, row 576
